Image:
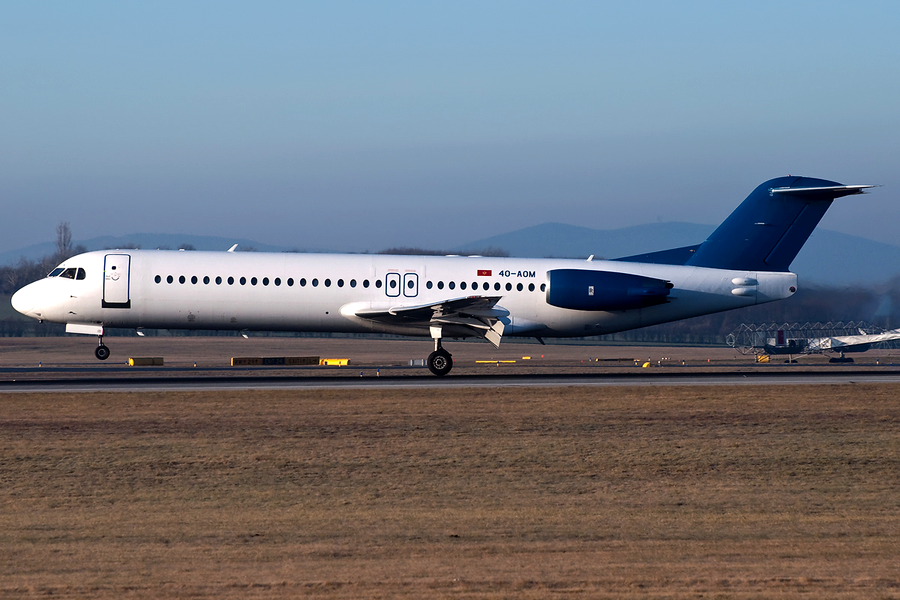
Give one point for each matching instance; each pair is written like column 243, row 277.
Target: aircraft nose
column 24, row 300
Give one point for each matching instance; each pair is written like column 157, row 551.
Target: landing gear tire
column 102, row 352
column 440, row 362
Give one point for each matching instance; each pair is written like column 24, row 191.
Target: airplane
column 795, row 342
column 745, row 261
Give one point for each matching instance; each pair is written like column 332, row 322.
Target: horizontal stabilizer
column 827, row 192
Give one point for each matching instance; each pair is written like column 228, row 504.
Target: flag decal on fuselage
column 484, row 272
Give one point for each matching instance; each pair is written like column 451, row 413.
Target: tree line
column 13, row 277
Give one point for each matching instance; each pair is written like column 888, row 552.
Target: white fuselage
column 323, row 292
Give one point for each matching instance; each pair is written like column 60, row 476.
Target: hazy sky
column 358, row 126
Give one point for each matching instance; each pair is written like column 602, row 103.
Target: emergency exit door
column 117, row 281
column 410, row 285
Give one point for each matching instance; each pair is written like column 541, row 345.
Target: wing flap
column 479, row 314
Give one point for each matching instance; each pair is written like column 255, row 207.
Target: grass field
column 731, row 492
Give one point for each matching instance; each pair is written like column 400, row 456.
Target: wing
column 480, row 314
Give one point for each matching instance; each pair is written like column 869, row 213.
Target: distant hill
column 149, row 241
column 828, row 258
column 570, row 241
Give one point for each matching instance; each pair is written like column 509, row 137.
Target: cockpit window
column 55, row 272
column 70, row 273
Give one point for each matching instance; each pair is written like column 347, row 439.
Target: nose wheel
column 102, row 352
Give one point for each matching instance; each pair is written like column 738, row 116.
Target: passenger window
column 340, row 283
column 428, row 285
column 474, row 285
column 303, row 282
column 194, row 280
column 440, row 285
column 530, row 287
column 290, row 282
column 253, row 281
column 157, row 279
column 543, row 287
column 218, row 281
column 451, row 285
column 169, row 279
column 378, row 283
column 508, row 287
column 315, row 282
column 497, row 286
column 231, row 281
column 365, row 283
column 487, row 286
column 519, row 287
column 206, row 280
column 462, row 285
column 265, row 281
column 277, row 281
column 181, row 279
column 393, row 283
column 353, row 283
column 327, row 283
column 243, row 281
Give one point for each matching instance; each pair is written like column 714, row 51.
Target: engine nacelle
column 581, row 289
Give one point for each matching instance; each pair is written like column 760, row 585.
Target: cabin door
column 117, row 281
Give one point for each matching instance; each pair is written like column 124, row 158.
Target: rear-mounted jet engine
column 581, row 289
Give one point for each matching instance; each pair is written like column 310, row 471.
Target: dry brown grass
column 736, row 492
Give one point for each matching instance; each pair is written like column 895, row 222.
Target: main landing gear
column 439, row 362
column 102, row 352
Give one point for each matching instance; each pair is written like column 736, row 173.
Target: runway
column 174, row 383
column 202, row 363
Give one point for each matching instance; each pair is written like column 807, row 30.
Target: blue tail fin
column 768, row 229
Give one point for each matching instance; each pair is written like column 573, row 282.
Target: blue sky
column 358, row 126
